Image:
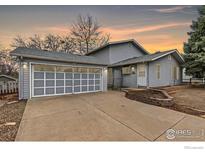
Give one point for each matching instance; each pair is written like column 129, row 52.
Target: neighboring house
column 117, row 64
column 6, row 78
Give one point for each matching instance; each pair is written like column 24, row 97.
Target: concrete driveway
column 104, row 116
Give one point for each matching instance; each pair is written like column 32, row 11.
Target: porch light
column 105, row 69
column 24, row 65
column 133, row 69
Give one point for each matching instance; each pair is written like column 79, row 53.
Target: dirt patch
column 9, row 97
column 190, row 96
column 10, row 118
column 187, row 99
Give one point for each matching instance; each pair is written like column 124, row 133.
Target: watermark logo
column 170, row 134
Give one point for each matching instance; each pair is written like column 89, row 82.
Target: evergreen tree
column 194, row 49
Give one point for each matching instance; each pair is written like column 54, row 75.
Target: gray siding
column 24, row 79
column 119, row 52
column 104, row 55
column 130, row 80
column 123, row 51
column 165, row 72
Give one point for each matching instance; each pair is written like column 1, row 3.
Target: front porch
column 134, row 76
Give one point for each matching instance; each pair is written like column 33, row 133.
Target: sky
column 156, row 28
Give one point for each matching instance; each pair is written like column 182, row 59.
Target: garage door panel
column 50, row 75
column 69, row 83
column 97, row 82
column 69, row 75
column 50, row 83
column 91, row 88
column 84, row 76
column 84, row 82
column 91, row 76
column 50, row 91
column 91, row 82
column 39, row 83
column 59, row 90
column 97, row 88
column 61, row 80
column 97, row 76
column 68, row 89
column 76, row 82
column 38, row 91
column 84, row 88
column 77, row 89
column 77, row 76
column 38, row 75
column 59, row 75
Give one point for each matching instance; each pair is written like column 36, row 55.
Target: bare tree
column 87, row 33
column 85, row 36
column 68, row 44
column 52, row 42
column 8, row 64
column 36, row 42
column 19, row 41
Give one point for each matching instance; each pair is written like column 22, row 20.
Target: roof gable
column 135, row 43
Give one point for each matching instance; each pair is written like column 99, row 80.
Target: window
column 158, row 71
column 44, row 68
column 175, row 73
column 141, row 71
column 126, row 70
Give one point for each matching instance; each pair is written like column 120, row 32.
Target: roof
column 55, row 56
column 134, row 42
column 150, row 57
column 9, row 77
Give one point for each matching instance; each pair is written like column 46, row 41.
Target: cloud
column 60, row 30
column 135, row 30
column 172, row 9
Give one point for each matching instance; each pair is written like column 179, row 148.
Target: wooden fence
column 8, row 87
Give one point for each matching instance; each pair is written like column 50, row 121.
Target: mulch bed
column 10, row 113
column 144, row 95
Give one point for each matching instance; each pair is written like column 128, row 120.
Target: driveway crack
column 170, row 127
column 116, row 120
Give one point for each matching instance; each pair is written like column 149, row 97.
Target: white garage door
column 57, row 80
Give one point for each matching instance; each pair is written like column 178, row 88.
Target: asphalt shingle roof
column 145, row 58
column 55, row 56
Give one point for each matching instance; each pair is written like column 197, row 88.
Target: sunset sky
column 154, row 27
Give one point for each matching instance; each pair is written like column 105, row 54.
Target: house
column 117, row 64
column 130, row 65
column 6, row 78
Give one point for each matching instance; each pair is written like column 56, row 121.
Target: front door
column 141, row 75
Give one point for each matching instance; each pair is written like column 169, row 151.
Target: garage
column 49, row 80
column 50, row 73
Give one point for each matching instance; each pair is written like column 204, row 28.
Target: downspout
column 148, row 75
